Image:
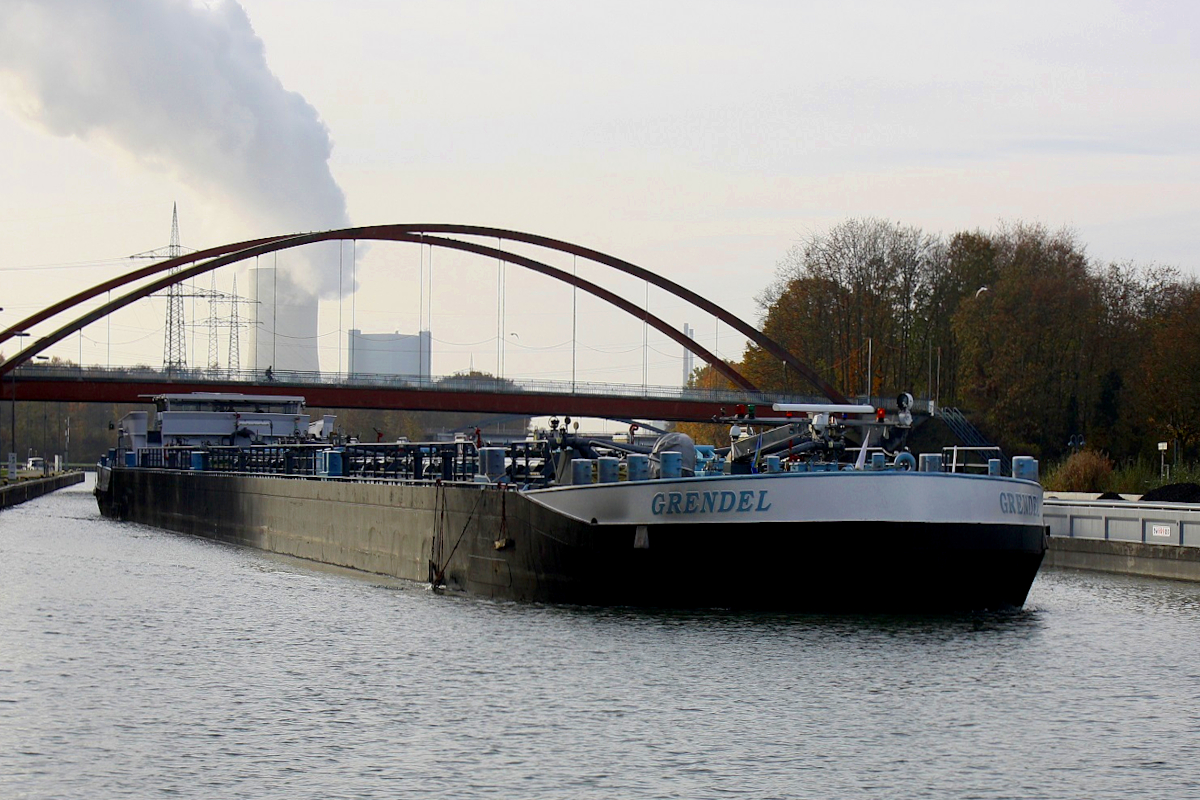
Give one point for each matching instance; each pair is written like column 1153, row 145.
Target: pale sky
column 699, row 140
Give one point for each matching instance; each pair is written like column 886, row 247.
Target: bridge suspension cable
column 183, row 274
column 405, row 232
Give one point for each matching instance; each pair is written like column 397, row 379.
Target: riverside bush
column 1084, row 471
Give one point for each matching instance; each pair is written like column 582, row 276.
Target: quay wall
column 1160, row 540
column 17, row 493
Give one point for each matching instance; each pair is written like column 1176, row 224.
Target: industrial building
column 389, row 354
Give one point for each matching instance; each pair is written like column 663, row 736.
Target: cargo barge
column 776, row 521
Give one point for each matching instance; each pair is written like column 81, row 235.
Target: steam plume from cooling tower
column 181, row 87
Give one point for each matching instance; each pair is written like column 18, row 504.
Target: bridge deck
column 332, row 390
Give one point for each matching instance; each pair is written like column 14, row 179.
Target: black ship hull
column 494, row 542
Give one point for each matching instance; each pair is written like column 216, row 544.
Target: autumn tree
column 1034, row 340
column 1166, row 394
column 1133, row 302
column 800, row 318
column 851, row 302
column 1027, row 340
column 706, row 377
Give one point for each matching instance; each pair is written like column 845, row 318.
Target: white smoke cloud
column 182, row 87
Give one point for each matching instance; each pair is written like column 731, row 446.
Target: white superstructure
column 213, row 419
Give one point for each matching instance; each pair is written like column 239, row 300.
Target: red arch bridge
column 38, row 382
column 23, row 379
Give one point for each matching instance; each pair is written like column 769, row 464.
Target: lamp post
column 45, row 463
column 13, row 404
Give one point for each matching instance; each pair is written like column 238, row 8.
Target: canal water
column 139, row 663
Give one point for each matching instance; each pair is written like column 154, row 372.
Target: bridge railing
column 447, row 383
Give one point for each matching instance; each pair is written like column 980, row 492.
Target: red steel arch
column 123, row 280
column 434, row 241
column 391, row 233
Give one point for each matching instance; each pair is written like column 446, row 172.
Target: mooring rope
column 437, row 545
column 440, row 578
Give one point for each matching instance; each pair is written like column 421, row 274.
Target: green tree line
column 1017, row 326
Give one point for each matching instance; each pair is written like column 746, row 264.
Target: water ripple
column 135, row 662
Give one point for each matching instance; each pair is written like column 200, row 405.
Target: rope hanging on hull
column 439, row 577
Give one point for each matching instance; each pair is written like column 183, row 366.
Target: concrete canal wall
column 1160, row 540
column 17, row 493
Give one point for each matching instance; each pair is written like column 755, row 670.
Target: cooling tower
column 283, row 330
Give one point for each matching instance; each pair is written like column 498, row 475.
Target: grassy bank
column 1093, row 471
